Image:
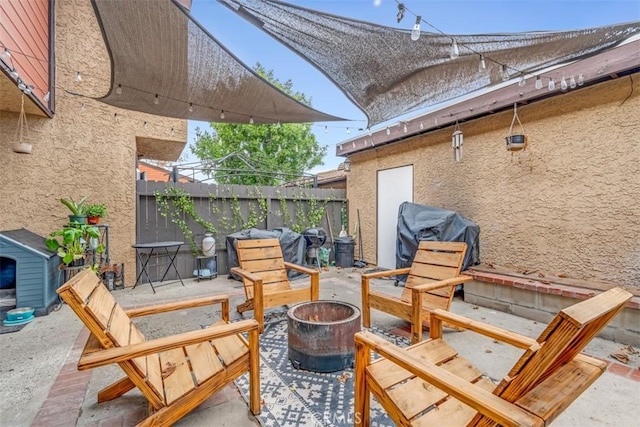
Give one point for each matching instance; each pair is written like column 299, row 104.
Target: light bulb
column 251, row 120
column 455, row 52
column 21, row 85
column 190, row 107
column 563, row 84
column 580, row 79
column 348, row 132
column 115, row 117
column 522, row 82
column 326, row 130
column 482, row 64
column 504, row 72
column 156, row 100
column 222, row 114
column 552, row 85
column 83, row 107
column 388, row 131
column 400, row 14
column 28, row 90
column 572, row 82
column 14, row 74
column 78, row 76
column 172, row 132
column 415, row 33
column 538, row 82
column 119, row 90
column 47, row 96
column 145, row 124
column 421, row 125
column 404, row 128
column 5, row 55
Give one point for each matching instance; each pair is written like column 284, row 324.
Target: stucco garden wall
column 81, row 151
column 568, row 204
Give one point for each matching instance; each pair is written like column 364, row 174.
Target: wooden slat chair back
column 431, row 282
column 174, row 380
column 264, row 259
column 264, row 275
column 429, row 383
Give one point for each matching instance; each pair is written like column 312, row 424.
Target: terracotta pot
column 93, row 220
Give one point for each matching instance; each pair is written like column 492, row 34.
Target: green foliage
column 76, row 208
column 71, row 241
column 177, row 205
column 96, row 209
column 289, row 149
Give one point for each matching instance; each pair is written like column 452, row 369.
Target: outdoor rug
column 297, row 398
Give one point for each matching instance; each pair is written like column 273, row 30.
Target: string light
column 580, row 79
column 156, row 100
column 563, row 84
column 421, row 126
column 144, row 126
column 572, row 82
column 482, row 64
column 172, row 132
column 5, row 55
column 455, row 52
column 250, row 120
column 326, row 129
column 14, row 74
column 83, row 107
column 538, row 83
column 404, row 128
column 115, row 117
column 348, row 131
column 551, row 85
column 47, row 96
column 222, row 115
column 78, row 76
column 388, row 131
column 400, row 14
column 522, row 82
column 119, row 90
column 415, row 32
column 190, row 107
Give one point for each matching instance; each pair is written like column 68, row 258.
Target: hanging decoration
column 21, row 132
column 516, row 141
column 457, row 139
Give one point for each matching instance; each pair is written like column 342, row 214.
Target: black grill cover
column 293, row 246
column 419, row 222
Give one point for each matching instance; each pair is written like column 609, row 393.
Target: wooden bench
column 174, row 373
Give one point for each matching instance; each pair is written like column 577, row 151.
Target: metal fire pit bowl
column 321, row 335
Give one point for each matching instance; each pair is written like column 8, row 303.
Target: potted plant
column 78, row 214
column 95, row 212
column 71, row 242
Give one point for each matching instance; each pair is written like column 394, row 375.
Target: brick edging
column 543, row 287
column 64, row 401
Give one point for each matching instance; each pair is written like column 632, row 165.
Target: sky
column 251, row 45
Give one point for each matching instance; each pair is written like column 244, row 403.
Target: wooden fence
column 232, row 208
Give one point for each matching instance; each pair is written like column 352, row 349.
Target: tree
column 268, row 154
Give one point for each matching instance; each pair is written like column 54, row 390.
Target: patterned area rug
column 296, row 398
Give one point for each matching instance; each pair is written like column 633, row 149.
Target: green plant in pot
column 70, row 243
column 95, row 212
column 78, row 213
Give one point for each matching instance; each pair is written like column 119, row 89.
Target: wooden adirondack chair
column 264, row 273
column 175, row 373
column 431, row 282
column 429, row 384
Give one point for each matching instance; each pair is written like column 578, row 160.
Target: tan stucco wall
column 567, row 204
column 78, row 153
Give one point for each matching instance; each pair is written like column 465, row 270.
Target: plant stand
column 202, row 270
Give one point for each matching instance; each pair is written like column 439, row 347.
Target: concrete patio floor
column 41, row 386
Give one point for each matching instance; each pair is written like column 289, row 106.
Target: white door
column 395, row 186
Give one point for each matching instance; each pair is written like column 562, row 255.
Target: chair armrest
column 427, row 287
column 386, row 273
column 122, row 354
column 485, row 329
column 246, row 274
column 488, row 404
column 177, row 305
column 306, row 270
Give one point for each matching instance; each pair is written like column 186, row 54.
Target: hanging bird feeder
column 516, row 141
column 457, row 139
column 20, row 146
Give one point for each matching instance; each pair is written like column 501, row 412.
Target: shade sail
column 386, row 74
column 159, row 52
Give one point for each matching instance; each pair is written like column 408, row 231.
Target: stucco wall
column 568, row 204
column 80, row 151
